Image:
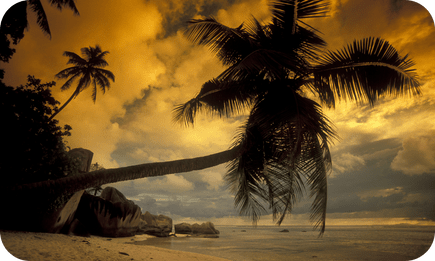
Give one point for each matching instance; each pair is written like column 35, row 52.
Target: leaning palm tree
column 88, row 69
column 271, row 69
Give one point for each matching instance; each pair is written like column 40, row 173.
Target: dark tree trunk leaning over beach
column 285, row 141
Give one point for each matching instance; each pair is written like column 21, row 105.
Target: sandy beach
column 32, row 246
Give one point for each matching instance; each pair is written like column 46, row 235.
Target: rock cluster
column 111, row 215
column 206, row 228
column 159, row 226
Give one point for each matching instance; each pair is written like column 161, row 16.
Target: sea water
column 302, row 243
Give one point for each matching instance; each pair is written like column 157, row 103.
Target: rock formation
column 183, row 228
column 206, row 228
column 159, row 226
column 113, row 215
column 84, row 156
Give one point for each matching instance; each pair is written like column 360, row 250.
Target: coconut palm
column 89, row 70
column 271, row 69
column 96, row 189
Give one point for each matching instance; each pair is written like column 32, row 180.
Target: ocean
column 302, row 243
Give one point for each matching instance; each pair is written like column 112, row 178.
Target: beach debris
column 123, row 253
column 284, row 230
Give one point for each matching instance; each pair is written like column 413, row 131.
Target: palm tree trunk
column 63, row 106
column 100, row 177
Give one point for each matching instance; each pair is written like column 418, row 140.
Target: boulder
column 183, row 228
column 284, row 230
column 113, row 195
column 206, row 228
column 112, row 216
column 159, row 226
column 84, row 156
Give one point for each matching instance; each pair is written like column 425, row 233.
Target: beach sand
column 32, row 246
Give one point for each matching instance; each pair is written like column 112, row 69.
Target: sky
column 383, row 164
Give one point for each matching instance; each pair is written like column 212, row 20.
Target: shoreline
column 32, row 246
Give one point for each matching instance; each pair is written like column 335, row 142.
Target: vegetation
column 88, row 69
column 34, row 150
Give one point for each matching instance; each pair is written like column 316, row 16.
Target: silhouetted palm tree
column 284, row 142
column 88, row 69
column 270, row 70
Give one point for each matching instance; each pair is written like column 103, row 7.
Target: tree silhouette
column 271, row 68
column 98, row 188
column 89, row 70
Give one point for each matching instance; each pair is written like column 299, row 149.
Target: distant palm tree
column 284, row 142
column 98, row 188
column 88, row 69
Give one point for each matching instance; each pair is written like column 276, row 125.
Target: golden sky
column 384, row 165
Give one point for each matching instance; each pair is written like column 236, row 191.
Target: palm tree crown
column 284, row 144
column 89, row 70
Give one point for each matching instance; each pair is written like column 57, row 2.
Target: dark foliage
column 33, row 148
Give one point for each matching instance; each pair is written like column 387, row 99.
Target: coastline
column 46, row 246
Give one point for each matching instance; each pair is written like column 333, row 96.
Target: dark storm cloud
column 375, row 186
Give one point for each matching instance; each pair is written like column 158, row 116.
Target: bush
column 33, row 146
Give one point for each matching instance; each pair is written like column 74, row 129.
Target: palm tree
column 284, row 143
column 98, row 188
column 271, row 68
column 89, row 69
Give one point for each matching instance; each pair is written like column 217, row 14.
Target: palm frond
column 219, row 97
column 65, row 73
column 286, row 138
column 364, row 71
column 245, row 177
column 59, row 4
column 41, row 17
column 229, row 44
column 74, row 59
column 286, row 13
column 73, row 77
column 105, row 74
column 84, row 82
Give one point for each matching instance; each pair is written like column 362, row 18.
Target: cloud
column 380, row 193
column 417, row 155
column 243, row 12
column 346, row 162
column 169, row 183
column 213, row 179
